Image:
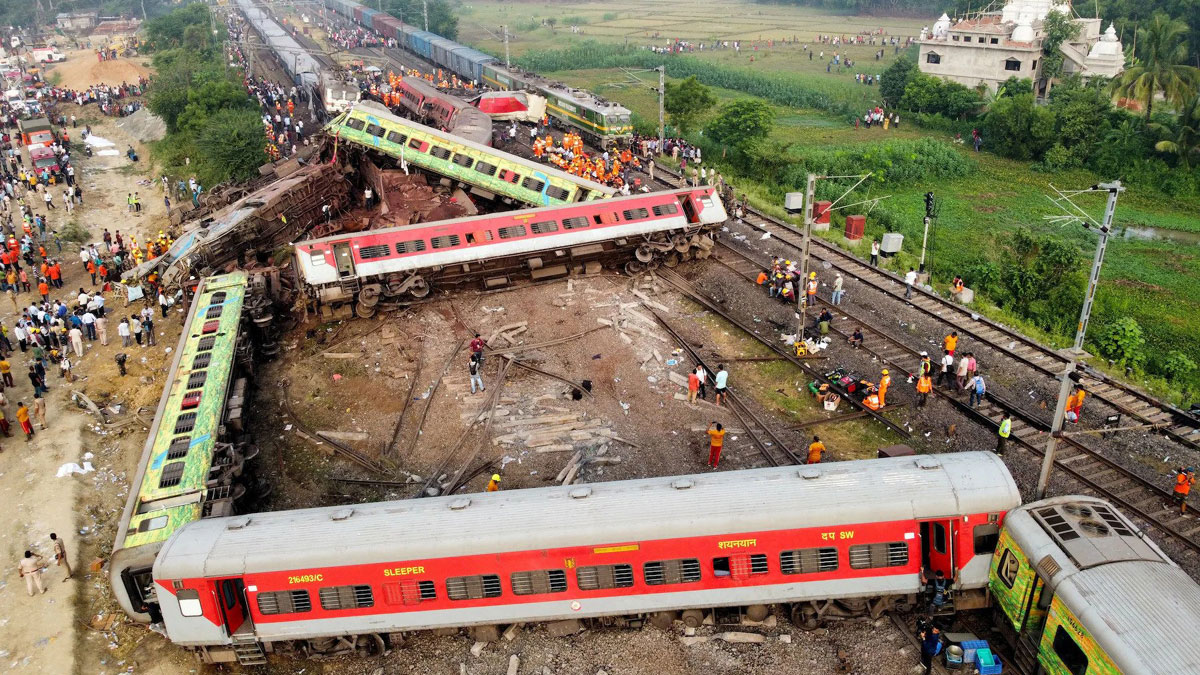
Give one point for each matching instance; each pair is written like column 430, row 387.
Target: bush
column 575, row 20
column 1176, row 366
column 610, row 16
column 1124, row 343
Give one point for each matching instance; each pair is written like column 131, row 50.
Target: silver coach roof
column 838, row 493
column 1139, row 606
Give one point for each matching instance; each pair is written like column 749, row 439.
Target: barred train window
column 346, row 597
column 172, row 474
column 537, row 582
column 413, row 246
column 439, row 152
column 544, row 227
column 355, row 124
column 555, row 192
column 206, row 343
column 463, row 160
column 375, row 130
column 284, row 602
column 185, row 423
column 635, row 214
column 485, row 168
column 473, row 587
column 867, row 556
column 598, row 577
column 533, row 184
column 445, row 241
column 665, row 209
column 409, row 592
column 574, row 223
column 681, row 571
column 179, row 448
column 808, row 560
column 196, row 379
column 512, row 231
column 214, row 311
column 372, row 252
column 396, row 137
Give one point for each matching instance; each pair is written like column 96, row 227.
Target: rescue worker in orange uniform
column 1075, row 402
column 762, row 278
column 494, row 483
column 884, row 383
column 1184, row 480
column 872, row 401
column 924, row 386
column 815, row 450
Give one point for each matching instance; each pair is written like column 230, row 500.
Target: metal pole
column 810, row 193
column 425, row 13
column 924, row 240
column 1064, row 390
column 507, row 62
column 662, row 107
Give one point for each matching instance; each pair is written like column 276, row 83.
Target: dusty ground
column 82, row 70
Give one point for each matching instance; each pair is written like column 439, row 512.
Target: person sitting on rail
column 872, row 399
column 823, row 321
column 788, row 294
column 856, row 339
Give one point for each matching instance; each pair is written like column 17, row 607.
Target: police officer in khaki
column 30, row 568
column 60, row 554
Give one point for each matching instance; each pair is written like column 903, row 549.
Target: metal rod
column 1105, row 430
column 662, row 106
column 1060, row 409
column 810, row 192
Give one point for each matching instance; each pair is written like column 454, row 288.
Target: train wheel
column 369, row 295
column 364, row 311
column 686, row 255
column 757, row 612
column 805, row 617
column 634, row 268
column 420, row 288
column 693, row 618
column 680, row 241
column 671, row 260
column 663, row 620
column 644, row 253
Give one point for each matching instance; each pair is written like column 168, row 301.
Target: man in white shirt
column 947, row 371
column 909, row 279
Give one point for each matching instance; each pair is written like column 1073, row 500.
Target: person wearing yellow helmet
column 884, row 383
column 494, row 484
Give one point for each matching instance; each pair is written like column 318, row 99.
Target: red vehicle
column 43, row 159
column 429, row 104
column 636, row 231
column 836, row 540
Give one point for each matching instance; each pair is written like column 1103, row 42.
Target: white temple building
column 991, row 46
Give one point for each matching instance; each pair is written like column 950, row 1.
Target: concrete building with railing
column 993, row 45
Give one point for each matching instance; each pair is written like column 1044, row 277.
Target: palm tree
column 1186, row 142
column 1161, row 64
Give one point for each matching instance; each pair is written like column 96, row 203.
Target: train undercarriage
column 808, row 615
column 632, row 254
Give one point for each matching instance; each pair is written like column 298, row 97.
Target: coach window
column 538, row 582
column 485, row 168
column 635, row 214
column 939, row 537
column 1008, row 568
column 417, row 144
column 476, row 237
column 867, row 556
column 665, row 210
column 681, row 571
column 544, row 227
column 409, row 592
column 355, row 124
column 374, row 130
column 600, row 577
column 809, row 560
column 533, row 184
column 512, row 231
column 574, row 223
column 372, row 252
column 284, row 602
column 463, row 160
column 986, row 538
column 555, row 192
column 346, row 597
column 414, row 246
column 179, row 448
column 445, row 241
column 510, row 176
column 1069, row 653
column 189, row 602
column 605, row 218
column 473, row 587
column 185, row 423
column 740, row 566
column 439, row 152
column 396, row 137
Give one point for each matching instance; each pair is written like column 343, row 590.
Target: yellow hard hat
column 496, row 477
column 812, row 275
column 885, row 372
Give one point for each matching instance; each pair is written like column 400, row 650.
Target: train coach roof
column 840, row 493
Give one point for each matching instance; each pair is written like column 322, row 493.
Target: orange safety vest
column 872, row 402
column 762, row 278
column 1183, row 483
column 924, row 384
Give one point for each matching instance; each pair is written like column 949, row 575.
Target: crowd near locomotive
column 597, row 119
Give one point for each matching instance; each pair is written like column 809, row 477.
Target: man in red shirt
column 476, row 347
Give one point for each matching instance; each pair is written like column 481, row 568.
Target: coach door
column 344, row 259
column 231, row 597
column 937, row 546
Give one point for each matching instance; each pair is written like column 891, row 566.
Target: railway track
column 1174, row 423
column 1097, row 473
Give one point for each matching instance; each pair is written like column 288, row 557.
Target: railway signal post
column 795, row 201
column 1060, row 409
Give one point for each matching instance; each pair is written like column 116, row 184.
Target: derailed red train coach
column 638, row 231
column 784, row 538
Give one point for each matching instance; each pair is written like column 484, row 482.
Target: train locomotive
column 408, row 261
column 598, row 120
column 817, row 542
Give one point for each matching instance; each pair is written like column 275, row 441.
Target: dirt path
column 82, row 70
